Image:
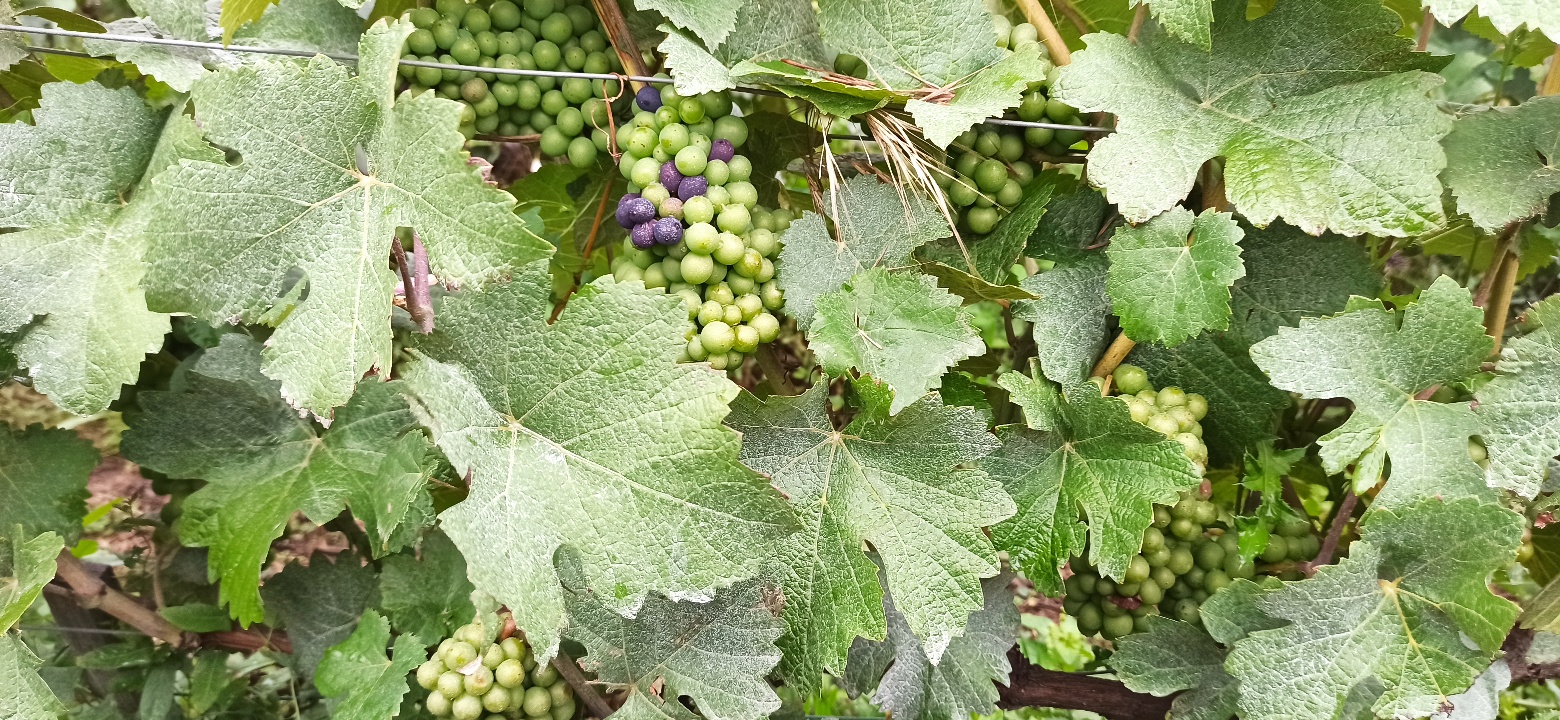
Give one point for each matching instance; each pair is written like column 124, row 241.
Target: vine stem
column 1334, row 532
column 1113, row 356
column 1551, row 84
column 622, row 38
column 1033, row 686
column 414, row 281
column 1499, row 305
column 590, row 246
column 1065, row 7
column 1426, row 27
column 570, row 670
column 1048, row 34
column 1139, row 17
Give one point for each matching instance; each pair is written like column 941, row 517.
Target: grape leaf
column 355, row 673
column 24, row 695
column 26, row 565
column 1171, row 657
column 1187, row 20
column 13, row 46
column 877, row 226
column 587, row 433
column 178, row 67
column 1317, row 108
column 1410, row 607
column 238, row 13
column 1170, row 277
column 1100, row 466
column 227, row 424
column 74, row 274
column 427, row 595
column 828, row 96
column 1500, row 162
column 898, row 482
column 1069, row 318
column 716, row 653
column 319, row 604
column 909, row 44
column 355, row 164
column 316, row 25
column 1505, row 14
column 764, row 31
column 693, row 68
column 711, row 20
column 43, row 476
column 774, row 140
column 1520, row 407
column 1380, row 360
column 899, row 327
column 989, row 92
column 979, row 268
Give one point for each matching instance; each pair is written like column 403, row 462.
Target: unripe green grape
column 772, row 295
column 671, row 268
column 1104, row 586
column 474, row 90
column 990, row 175
column 731, row 315
column 962, row 192
column 1164, row 425
column 695, row 350
column 540, row 120
column 673, row 138
column 661, row 155
column 1158, row 557
column 1137, row 570
column 574, row 58
column 487, row 106
column 1304, row 548
column 1164, row 577
column 742, row 285
column 734, row 218
column 1150, row 592
column 750, row 306
column 985, row 201
column 981, row 219
column 767, row 325
column 421, row 42
column 690, row 297
column 717, row 337
column 654, row 278
column 445, row 33
column 716, row 172
column 451, row 684
column 479, row 681
column 512, row 44
column 580, row 17
column 510, row 673
column 530, row 95
column 1210, row 555
column 665, row 115
column 1181, row 560
column 746, row 339
column 428, row 674
column 1139, row 410
column 719, row 361
column 1170, row 397
column 1110, row 609
column 1010, row 147
column 1032, row 108
column 646, row 172
column 459, row 655
column 547, row 56
column 641, row 141
column 466, row 707
column 711, row 311
column 1010, row 194
column 1291, row 525
column 701, row 237
column 1117, row 627
column 438, row 705
column 562, row 711
column 465, row 51
column 730, row 249
column 1090, row 619
column 1162, row 517
column 496, row 700
column 750, row 263
column 424, row 17
column 427, row 76
column 1186, row 529
column 1205, row 513
column 593, row 41
column 505, row 93
column 1072, row 603
column 690, row 159
column 719, row 275
column 1277, row 549
column 740, row 168
column 698, row 138
column 763, row 241
column 571, row 121
column 492, row 656
column 698, row 210
column 1128, row 589
column 1187, row 611
column 544, row 674
column 731, row 128
column 743, row 193
column 486, row 124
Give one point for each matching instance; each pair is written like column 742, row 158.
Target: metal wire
column 339, row 57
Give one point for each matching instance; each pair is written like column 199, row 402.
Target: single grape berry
column 670, row 178
column 643, row 235
column 692, row 187
column 637, row 210
column 722, row 150
column 668, row 231
column 648, row 98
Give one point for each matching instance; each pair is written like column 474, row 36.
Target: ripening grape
column 472, row 675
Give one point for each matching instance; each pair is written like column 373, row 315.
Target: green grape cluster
column 470, row 676
column 695, row 227
column 570, row 114
column 1170, row 411
column 991, row 165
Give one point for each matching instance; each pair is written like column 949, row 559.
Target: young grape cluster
column 991, row 165
column 1191, row 550
column 570, row 114
column 695, row 227
column 470, row 676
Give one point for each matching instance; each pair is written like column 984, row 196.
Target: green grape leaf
column 1506, row 15
column 980, row 268
column 1187, row 20
column 427, row 594
column 355, row 673
column 1099, row 467
column 1172, row 657
column 23, row 694
column 1380, row 360
column 764, row 31
column 1170, row 277
column 587, row 433
column 1499, row 160
column 13, row 46
column 178, row 67
column 774, row 140
column 910, row 44
column 238, row 13
column 877, row 227
column 711, row 20
column 227, row 424
column 693, row 68
column 960, row 684
column 70, row 282
column 358, row 164
column 898, row 327
column 319, row 604
column 1410, row 608
column 899, row 482
column 197, row 617
column 26, row 565
column 717, row 653
column 989, row 92
column 1520, row 407
column 43, row 476
column 324, row 26
column 1317, row 107
column 1069, row 317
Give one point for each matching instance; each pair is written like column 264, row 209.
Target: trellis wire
column 339, row 57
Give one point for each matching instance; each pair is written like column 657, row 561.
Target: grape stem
column 1138, row 18
column 1113, row 356
column 590, row 246
column 1033, row 686
column 1048, row 34
column 1334, row 532
column 414, row 281
column 570, row 670
column 621, row 37
column 1426, row 27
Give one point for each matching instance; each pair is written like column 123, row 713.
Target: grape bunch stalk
column 1192, row 548
column 570, row 114
column 695, row 227
column 472, row 674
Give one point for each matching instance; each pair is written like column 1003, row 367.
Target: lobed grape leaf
column 898, row 327
column 716, row 653
column 426, row 595
column 764, row 31
column 898, row 482
column 1380, row 360
column 1520, row 407
column 1172, row 657
column 26, row 565
column 353, row 163
column 1506, row 15
column 13, row 46
column 43, row 476
column 960, row 684
column 910, row 44
column 828, row 96
column 178, row 67
column 323, row 26
column 1099, row 466
column 1410, row 608
column 70, row 282
column 693, row 68
column 227, row 424
column 238, row 13
column 319, row 604
column 1068, row 320
column 1187, row 20
column 1500, row 162
column 877, row 227
column 1170, row 277
column 988, row 92
column 24, row 695
column 1319, row 110
column 711, row 20
column 774, row 140
column 364, row 684
column 587, row 433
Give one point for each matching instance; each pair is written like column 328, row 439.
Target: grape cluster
column 469, row 676
column 1171, row 412
column 991, row 166
column 570, row 114
column 695, row 226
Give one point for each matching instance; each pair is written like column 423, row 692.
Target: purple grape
column 643, row 235
column 692, row 188
column 623, row 209
column 668, row 230
column 649, row 99
column 722, row 151
column 637, row 210
column 670, row 178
